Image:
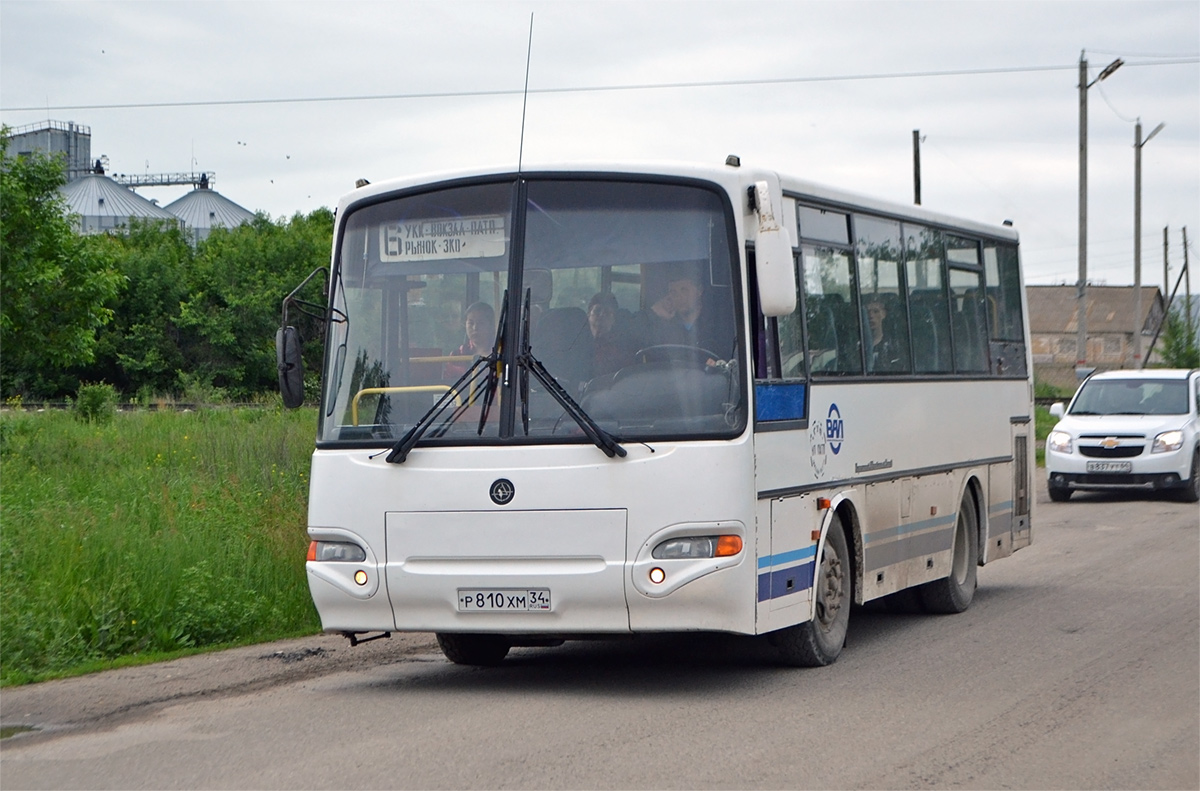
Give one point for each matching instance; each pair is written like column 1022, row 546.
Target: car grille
column 1119, row 452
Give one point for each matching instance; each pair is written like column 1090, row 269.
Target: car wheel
column 1059, row 494
column 1191, row 493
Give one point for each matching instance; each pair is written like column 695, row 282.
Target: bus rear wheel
column 819, row 642
column 954, row 593
column 486, row 650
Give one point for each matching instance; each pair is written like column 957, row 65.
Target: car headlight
column 1059, row 442
column 1167, row 441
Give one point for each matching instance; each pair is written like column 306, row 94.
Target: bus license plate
column 1110, row 466
column 503, row 599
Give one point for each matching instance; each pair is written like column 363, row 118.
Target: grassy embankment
column 155, row 534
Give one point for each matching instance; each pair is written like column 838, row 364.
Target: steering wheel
column 676, row 352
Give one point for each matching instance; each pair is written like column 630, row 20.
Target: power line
column 586, row 89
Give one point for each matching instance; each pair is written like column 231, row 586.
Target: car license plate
column 1110, row 466
column 503, row 599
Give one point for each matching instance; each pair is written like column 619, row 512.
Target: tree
column 239, row 279
column 140, row 350
column 53, row 283
column 1179, row 341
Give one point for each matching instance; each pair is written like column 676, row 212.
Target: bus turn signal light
column 728, row 546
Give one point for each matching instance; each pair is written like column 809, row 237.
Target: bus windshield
column 624, row 292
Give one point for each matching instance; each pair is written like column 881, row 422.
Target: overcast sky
column 998, row 145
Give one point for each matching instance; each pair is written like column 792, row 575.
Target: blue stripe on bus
column 787, row 557
column 997, row 507
column 779, row 401
column 911, row 527
column 774, row 584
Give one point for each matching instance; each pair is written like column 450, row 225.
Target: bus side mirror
column 291, row 369
column 773, row 264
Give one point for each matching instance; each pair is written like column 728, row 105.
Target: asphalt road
column 1078, row 666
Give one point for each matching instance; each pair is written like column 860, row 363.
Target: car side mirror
column 1057, row 410
column 291, row 368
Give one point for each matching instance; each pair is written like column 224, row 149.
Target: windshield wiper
column 491, row 364
column 527, row 364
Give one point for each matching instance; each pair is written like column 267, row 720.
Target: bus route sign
column 483, row 236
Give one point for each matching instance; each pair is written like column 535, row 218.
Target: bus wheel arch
column 819, row 641
column 955, row 592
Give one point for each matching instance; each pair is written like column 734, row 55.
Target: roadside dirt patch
column 116, row 694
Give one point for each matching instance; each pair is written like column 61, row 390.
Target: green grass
column 154, row 534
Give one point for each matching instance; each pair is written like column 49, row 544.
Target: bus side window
column 834, row 342
column 927, row 300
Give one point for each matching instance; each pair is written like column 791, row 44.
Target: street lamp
column 1138, row 142
column 1081, row 340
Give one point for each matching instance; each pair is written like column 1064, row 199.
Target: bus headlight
column 1059, row 442
column 1167, row 441
column 690, row 547
column 338, row 551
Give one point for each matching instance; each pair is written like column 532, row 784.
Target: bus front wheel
column 485, row 650
column 954, row 593
column 819, row 642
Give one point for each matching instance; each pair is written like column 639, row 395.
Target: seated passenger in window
column 886, row 353
column 612, row 347
column 480, row 327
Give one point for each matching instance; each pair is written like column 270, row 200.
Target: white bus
column 580, row 402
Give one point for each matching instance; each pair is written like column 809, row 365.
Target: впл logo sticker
column 835, row 429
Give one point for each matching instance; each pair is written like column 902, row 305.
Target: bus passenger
column 480, row 327
column 886, row 354
column 612, row 347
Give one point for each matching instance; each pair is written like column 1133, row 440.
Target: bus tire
column 480, row 650
column 819, row 642
column 953, row 594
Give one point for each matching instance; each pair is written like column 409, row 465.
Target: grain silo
column 203, row 209
column 99, row 204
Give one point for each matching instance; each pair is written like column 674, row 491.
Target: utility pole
column 1187, row 292
column 1138, row 142
column 1166, row 270
column 917, row 166
column 1081, row 310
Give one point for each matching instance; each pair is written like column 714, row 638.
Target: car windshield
column 623, row 292
column 1132, row 397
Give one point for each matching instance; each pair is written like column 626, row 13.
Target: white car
column 1128, row 430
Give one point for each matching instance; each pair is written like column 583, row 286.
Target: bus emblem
column 502, row 491
column 816, row 448
column 835, row 430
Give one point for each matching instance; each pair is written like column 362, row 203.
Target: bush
column 96, row 403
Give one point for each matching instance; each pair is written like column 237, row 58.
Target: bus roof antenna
column 525, row 95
